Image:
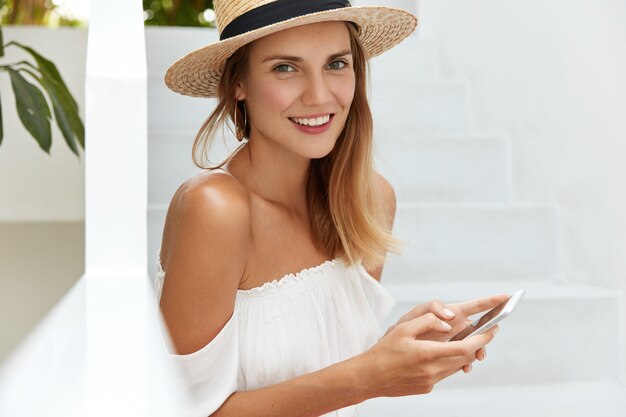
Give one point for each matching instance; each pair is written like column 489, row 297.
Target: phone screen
column 482, row 321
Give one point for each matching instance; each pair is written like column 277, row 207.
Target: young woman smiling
column 274, row 257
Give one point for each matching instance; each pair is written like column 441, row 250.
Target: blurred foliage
column 34, row 12
column 30, row 102
column 156, row 13
column 177, row 13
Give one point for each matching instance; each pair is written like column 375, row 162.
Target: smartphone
column 492, row 317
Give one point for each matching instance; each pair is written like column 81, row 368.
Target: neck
column 275, row 174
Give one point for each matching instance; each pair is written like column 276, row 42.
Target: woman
column 299, row 194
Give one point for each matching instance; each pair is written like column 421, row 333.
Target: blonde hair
column 348, row 218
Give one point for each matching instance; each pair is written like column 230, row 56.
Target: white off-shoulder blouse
column 291, row 326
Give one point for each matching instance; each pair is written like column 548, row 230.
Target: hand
column 458, row 319
column 404, row 363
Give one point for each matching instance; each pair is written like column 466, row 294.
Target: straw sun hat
column 240, row 22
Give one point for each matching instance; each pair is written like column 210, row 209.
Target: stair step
column 170, row 164
column 414, row 58
column 164, row 46
column 418, row 107
column 446, row 170
column 171, row 111
column 474, row 242
column 560, row 332
column 156, row 221
column 560, row 400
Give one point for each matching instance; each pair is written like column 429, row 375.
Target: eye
column 337, row 65
column 284, row 68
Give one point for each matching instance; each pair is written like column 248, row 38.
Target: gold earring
column 240, row 133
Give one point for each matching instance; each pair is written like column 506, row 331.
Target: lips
column 312, row 121
column 318, row 124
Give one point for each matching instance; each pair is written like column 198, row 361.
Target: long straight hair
column 347, row 214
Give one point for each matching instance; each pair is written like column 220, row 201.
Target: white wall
column 553, row 74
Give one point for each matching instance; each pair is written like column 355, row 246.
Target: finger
column 482, row 304
column 467, row 368
column 437, row 307
column 441, row 310
column 481, row 354
column 468, row 346
column 426, row 323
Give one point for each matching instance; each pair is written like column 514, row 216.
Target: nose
column 317, row 90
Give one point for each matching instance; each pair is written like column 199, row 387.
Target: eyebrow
column 299, row 59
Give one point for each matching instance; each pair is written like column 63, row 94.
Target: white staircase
column 558, row 355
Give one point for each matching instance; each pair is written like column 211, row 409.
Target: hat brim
column 198, row 73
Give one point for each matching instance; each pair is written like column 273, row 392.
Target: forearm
column 310, row 395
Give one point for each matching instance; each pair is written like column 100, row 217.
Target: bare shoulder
column 386, row 192
column 206, row 239
column 211, row 202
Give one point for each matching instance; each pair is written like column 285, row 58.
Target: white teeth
column 313, row 122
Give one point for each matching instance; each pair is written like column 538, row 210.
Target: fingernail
column 446, row 326
column 448, row 313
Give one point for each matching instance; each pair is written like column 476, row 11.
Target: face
column 299, row 87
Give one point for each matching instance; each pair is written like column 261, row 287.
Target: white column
column 115, row 209
column 116, row 154
column 99, row 352
column 122, row 340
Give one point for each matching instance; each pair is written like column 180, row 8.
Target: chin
column 320, row 151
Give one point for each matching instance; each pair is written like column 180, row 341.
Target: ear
column 240, row 91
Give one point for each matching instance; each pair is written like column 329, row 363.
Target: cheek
column 345, row 91
column 272, row 97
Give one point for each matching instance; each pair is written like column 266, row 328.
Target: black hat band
column 278, row 11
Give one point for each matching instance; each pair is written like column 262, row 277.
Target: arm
column 385, row 189
column 398, row 365
column 207, row 231
column 309, row 395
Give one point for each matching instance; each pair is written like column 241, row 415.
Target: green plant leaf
column 47, row 69
column 66, row 116
column 32, row 109
column 64, row 113
column 52, row 78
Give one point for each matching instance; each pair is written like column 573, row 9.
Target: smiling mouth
column 313, row 121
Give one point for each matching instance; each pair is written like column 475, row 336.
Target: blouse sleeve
column 379, row 299
column 208, row 376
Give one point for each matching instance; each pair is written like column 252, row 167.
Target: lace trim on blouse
column 267, row 288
